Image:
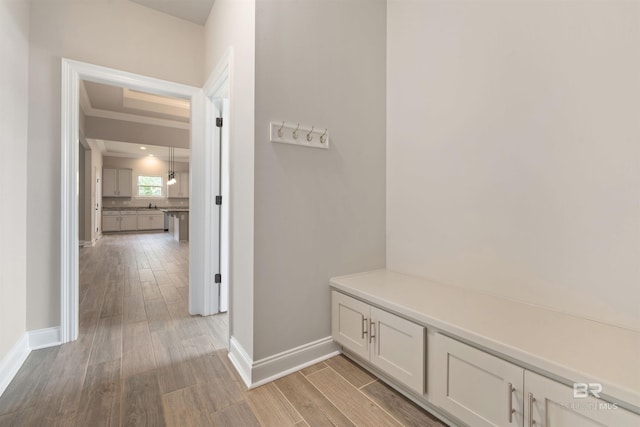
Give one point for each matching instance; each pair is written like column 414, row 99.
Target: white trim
column 72, row 73
column 128, row 117
column 44, row 338
column 279, row 365
column 241, row 360
column 12, row 362
column 260, row 372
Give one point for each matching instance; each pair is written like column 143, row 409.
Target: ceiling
column 113, row 102
column 196, row 11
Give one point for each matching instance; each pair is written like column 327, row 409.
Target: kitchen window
column 149, row 186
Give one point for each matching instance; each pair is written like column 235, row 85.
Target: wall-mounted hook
column 280, row 131
column 323, row 137
column 309, row 136
column 295, row 132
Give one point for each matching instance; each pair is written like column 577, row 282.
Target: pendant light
column 172, row 173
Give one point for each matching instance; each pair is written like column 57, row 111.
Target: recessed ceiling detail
column 131, row 150
column 112, row 102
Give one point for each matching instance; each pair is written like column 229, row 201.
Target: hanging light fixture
column 172, row 173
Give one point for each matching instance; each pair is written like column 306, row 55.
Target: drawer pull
column 511, row 410
column 531, row 400
column 372, row 333
column 364, row 327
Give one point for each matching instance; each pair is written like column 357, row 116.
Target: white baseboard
column 255, row 374
column 43, row 338
column 12, row 362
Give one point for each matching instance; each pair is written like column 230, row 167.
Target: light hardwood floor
column 142, row 360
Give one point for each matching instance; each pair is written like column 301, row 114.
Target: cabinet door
column 125, row 182
column 110, row 223
column 398, row 348
column 109, row 182
column 553, row 405
column 349, row 323
column 144, row 223
column 128, row 223
column 184, row 184
column 173, row 191
column 476, row 387
column 156, row 222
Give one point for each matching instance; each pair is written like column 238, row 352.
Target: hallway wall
column 14, row 47
column 117, row 34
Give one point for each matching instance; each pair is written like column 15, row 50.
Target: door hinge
column 219, row 122
column 218, row 200
column 218, row 278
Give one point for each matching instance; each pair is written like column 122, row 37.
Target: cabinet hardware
column 511, row 410
column 372, row 331
column 364, row 327
column 531, row 400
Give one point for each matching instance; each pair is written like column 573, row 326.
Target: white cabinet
column 483, row 390
column 150, row 220
column 117, row 182
column 552, row 404
column 390, row 343
column 474, row 386
column 181, row 187
column 119, row 221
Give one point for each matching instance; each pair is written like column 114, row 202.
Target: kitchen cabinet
column 181, row 188
column 483, row 390
column 394, row 345
column 117, row 182
column 549, row 403
column 119, row 221
column 150, row 220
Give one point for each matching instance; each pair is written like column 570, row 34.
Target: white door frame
column 72, row 73
column 217, row 98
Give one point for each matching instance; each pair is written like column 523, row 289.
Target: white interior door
column 97, row 202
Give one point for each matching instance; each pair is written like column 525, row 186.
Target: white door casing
column 72, row 73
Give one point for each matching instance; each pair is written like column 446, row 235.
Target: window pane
column 150, row 180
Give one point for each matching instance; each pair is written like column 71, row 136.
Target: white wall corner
column 12, row 362
column 255, row 374
column 43, row 338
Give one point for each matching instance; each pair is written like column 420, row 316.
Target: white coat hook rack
column 290, row 133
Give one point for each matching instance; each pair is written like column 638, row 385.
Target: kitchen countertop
column 144, row 208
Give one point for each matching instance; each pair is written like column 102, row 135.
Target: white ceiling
column 196, row 11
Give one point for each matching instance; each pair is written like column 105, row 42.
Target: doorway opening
column 207, row 253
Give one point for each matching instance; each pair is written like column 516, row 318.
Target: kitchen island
column 178, row 223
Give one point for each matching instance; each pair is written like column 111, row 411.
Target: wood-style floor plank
column 271, row 407
column 351, row 372
column 399, row 406
column 310, row 402
column 354, row 404
column 142, row 360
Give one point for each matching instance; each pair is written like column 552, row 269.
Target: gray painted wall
column 14, row 49
column 117, row 34
column 318, row 213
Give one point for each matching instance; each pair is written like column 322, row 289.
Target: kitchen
column 134, row 156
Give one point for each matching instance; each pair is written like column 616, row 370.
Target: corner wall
column 231, row 25
column 512, row 150
column 318, row 213
column 14, row 48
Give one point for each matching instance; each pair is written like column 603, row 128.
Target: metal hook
column 280, row 132
column 309, row 137
column 295, row 132
column 323, row 137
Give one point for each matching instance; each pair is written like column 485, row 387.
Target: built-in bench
column 485, row 357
